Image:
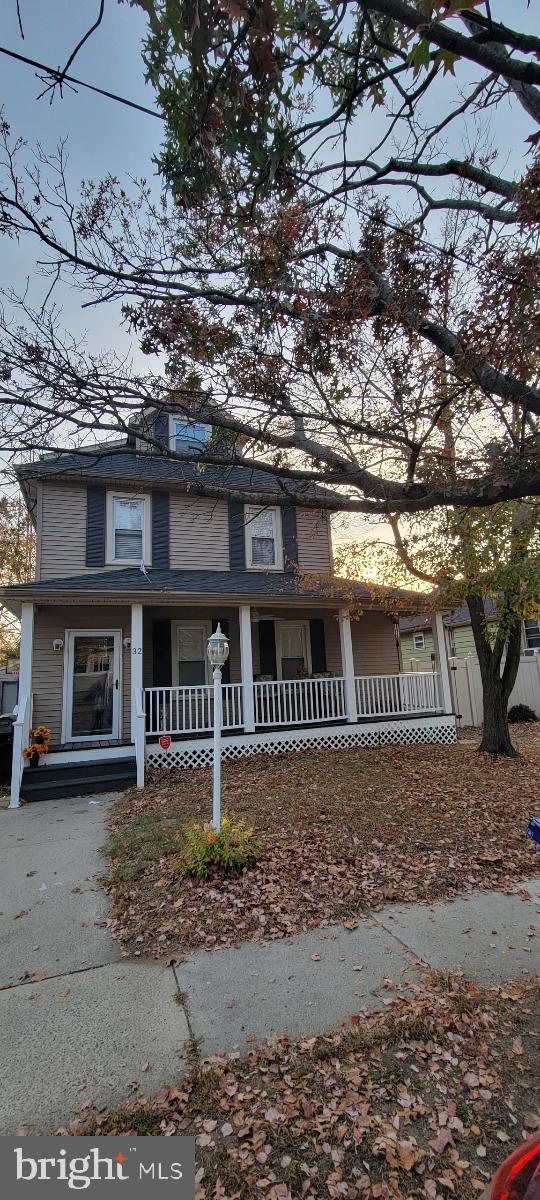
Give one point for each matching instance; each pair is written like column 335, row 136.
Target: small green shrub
column 206, row 852
column 520, row 713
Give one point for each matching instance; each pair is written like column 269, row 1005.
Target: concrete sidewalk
column 306, row 984
column 79, row 1023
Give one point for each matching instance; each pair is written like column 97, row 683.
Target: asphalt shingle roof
column 451, row 618
column 215, row 583
column 124, row 463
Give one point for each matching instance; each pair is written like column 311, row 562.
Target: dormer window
column 189, row 435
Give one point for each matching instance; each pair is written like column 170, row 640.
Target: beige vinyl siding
column 199, row 534
column 188, row 613
column 62, row 550
column 313, row 534
column 48, row 664
column 374, row 645
column 62, row 545
column 421, row 658
column 331, row 633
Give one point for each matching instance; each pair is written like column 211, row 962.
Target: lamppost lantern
column 218, row 653
column 218, row 648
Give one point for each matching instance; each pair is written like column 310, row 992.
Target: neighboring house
column 9, row 686
column 417, row 641
column 135, row 568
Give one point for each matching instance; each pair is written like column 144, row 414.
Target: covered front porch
column 133, row 679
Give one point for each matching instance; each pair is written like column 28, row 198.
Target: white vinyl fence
column 467, row 687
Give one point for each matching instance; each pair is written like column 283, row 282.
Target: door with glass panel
column 292, row 649
column 194, row 711
column 190, row 657
column 92, row 685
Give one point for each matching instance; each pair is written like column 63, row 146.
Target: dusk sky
column 103, row 136
column 106, row 137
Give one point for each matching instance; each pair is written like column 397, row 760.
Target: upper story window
column 128, row 528
column 532, row 634
column 188, row 435
column 263, row 539
column 419, row 641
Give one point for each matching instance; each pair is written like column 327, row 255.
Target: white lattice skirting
column 198, row 752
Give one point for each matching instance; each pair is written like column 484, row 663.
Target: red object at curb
column 519, row 1176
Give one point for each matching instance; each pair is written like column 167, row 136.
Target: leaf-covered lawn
column 340, row 831
column 424, row 1100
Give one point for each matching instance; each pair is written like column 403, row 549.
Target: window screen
column 128, row 529
column 262, row 532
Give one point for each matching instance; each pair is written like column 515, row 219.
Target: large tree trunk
column 497, row 679
column 495, row 733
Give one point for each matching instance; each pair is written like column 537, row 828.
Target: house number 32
column 136, row 649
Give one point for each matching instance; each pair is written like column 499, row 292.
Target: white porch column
column 246, row 662
column 138, row 719
column 347, row 663
column 21, row 727
column 437, row 625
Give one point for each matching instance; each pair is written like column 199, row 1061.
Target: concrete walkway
column 94, row 1023
column 78, row 1022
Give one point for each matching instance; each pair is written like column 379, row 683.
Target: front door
column 293, row 649
column 92, row 685
column 190, row 660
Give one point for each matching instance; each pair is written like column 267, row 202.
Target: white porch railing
column 398, row 695
column 299, row 701
column 191, row 709
column 291, row 702
column 20, row 727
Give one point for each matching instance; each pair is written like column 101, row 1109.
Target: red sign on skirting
column 165, row 741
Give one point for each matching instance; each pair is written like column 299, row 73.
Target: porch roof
column 223, row 584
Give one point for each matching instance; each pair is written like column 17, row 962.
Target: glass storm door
column 93, row 686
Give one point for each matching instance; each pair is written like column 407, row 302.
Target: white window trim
column 67, row 692
column 278, row 627
column 181, row 420
column 278, row 536
column 147, row 529
column 175, row 626
column 422, row 645
column 526, row 631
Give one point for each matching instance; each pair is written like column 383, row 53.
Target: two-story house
column 135, row 568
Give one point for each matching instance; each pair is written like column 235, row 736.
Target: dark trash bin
column 6, row 747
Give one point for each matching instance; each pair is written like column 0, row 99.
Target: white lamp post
column 218, row 653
